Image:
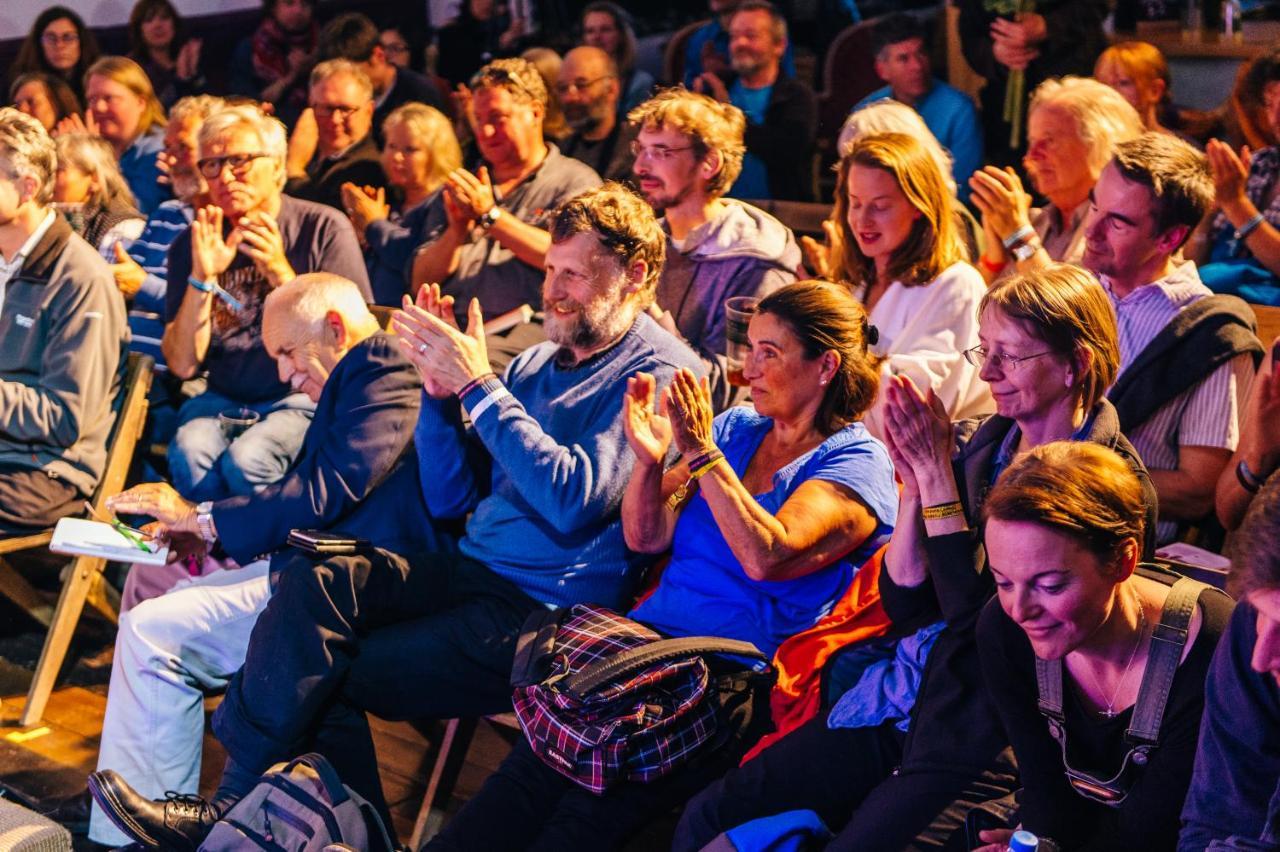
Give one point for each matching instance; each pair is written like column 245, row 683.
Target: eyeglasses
column 977, row 356
column 661, row 153
column 211, row 167
column 578, row 85
column 394, row 47
column 342, row 112
column 54, row 39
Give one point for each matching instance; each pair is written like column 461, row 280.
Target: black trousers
column 32, row 500
column 431, row 636
column 526, row 805
column 851, row 778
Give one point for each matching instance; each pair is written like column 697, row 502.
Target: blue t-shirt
column 753, row 182
column 138, row 166
column 953, row 119
column 704, row 590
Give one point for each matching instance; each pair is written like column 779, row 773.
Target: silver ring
column 422, row 348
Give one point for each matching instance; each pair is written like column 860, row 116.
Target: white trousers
column 170, row 650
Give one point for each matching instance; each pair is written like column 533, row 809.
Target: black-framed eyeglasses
column 578, row 85
column 342, row 112
column 395, row 47
column 661, row 153
column 52, row 39
column 211, row 167
column 978, row 357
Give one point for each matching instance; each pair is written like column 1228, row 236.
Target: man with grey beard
column 589, row 89
column 432, row 635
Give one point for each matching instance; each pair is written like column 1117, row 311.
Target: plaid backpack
column 603, row 699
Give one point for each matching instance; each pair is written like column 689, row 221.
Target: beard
column 584, row 118
column 594, row 323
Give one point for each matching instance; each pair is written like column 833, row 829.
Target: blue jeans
column 204, row 465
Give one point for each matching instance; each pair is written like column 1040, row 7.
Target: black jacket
column 360, row 164
column 954, row 726
column 357, row 471
column 785, row 140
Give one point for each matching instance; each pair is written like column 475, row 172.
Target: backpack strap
column 535, row 647
column 634, row 659
column 1049, row 685
column 324, row 770
column 1167, row 642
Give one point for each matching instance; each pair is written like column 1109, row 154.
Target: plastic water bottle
column 1023, row 841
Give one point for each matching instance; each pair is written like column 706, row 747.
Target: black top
column 360, row 164
column 316, row 239
column 409, row 87
column 1148, row 817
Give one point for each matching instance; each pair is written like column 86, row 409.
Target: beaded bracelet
column 1249, row 480
column 476, row 382
column 943, row 511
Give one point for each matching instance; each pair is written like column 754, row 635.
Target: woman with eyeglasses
column 1095, row 665
column 893, row 762
column 60, row 44
column 901, row 249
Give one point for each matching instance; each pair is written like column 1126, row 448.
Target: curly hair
column 624, row 224
column 711, row 126
column 518, row 76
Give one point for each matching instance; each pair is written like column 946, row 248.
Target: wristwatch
column 490, row 216
column 1026, row 249
column 204, row 521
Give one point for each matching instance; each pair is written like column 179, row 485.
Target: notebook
column 79, row 537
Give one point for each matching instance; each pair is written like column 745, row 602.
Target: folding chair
column 82, row 580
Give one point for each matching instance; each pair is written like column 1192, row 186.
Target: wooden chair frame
column 82, row 581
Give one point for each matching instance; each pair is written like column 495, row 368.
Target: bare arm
column 1187, row 492
column 186, row 339
column 526, row 242
column 437, row 260
column 1259, row 443
column 647, row 522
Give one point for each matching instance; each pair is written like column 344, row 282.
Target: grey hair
column 94, row 156
column 308, row 298
column 270, row 132
column 331, row 68
column 889, row 116
column 29, row 150
column 197, row 107
column 1103, row 117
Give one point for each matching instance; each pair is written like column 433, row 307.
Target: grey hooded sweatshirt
column 742, row 252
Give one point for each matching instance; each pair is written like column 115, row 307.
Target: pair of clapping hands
column 681, row 414
column 257, row 234
column 447, row 358
column 917, row 431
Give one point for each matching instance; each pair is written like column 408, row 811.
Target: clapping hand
column 128, row 274
column 1230, row 172
column 261, row 240
column 406, row 323
column 919, row 431
column 74, row 123
column 303, row 143
column 1260, row 433
column 819, row 256
column 446, row 357
column 649, row 431
column 687, row 403
column 188, row 62
column 712, row 86
column 210, row 253
column 473, row 193
column 998, row 194
column 364, row 205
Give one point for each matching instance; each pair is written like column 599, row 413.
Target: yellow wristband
column 942, row 510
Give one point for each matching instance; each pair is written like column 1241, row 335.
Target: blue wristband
column 202, row 286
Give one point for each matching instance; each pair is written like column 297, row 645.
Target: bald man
column 356, row 474
column 589, row 90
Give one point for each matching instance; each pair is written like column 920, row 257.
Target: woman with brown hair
column 123, row 109
column 1140, row 73
column 60, row 44
column 92, row 194
column 1095, row 665
column 158, row 42
column 45, row 97
column 903, row 253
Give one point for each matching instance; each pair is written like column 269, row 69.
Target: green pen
column 135, row 537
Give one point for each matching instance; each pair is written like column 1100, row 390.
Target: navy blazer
column 357, row 472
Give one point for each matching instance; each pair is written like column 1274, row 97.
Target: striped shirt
column 151, row 251
column 1207, row 415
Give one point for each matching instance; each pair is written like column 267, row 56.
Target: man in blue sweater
column 433, row 635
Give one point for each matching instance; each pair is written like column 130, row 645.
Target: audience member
column 159, row 44
column 901, row 43
column 282, row 53
column 588, row 91
column 142, row 271
column 395, row 44
column 58, row 44
column 607, row 25
column 1104, row 749
column 782, row 113
column 1058, row 38
column 1232, row 802
column 248, row 241
column 902, row 252
column 121, row 107
column 911, row 752
column 333, row 142
column 183, row 635
column 549, row 533
column 495, row 241
column 471, row 40
column 354, row 37
column 420, row 154
column 1258, row 454
column 1184, row 362
column 708, row 46
column 555, row 128
column 1073, row 129
column 1241, row 252
column 62, row 341
column 1139, row 72
column 766, row 543
column 687, row 154
column 92, row 194
column 45, row 97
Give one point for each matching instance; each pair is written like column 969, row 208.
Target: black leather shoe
column 179, row 822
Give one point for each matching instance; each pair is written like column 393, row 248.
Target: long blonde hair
column 934, row 242
column 129, row 74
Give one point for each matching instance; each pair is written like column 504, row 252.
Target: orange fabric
column 799, row 661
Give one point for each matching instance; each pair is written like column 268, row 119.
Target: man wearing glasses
column 589, row 89
column 688, row 152
column 494, row 245
column 249, row 240
column 333, row 141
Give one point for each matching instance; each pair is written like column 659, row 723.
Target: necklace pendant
column 1109, row 713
